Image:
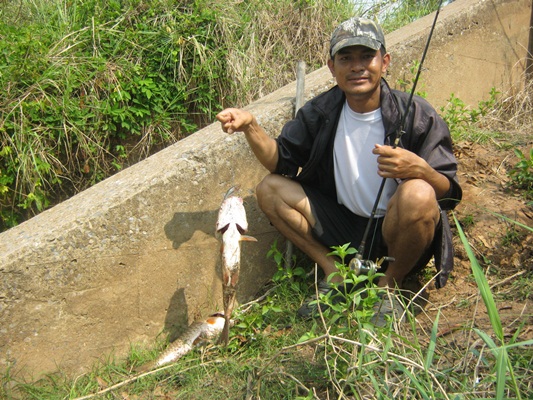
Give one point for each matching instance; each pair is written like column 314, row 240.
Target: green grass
column 274, row 355
column 503, row 368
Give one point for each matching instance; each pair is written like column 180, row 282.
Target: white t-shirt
column 356, row 175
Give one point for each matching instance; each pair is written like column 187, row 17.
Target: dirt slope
column 504, row 250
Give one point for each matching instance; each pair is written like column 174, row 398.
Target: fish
column 230, row 228
column 197, row 334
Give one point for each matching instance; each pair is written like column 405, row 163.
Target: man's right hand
column 235, row 120
column 264, row 147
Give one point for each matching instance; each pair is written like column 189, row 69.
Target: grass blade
column 432, row 343
column 502, row 359
column 421, row 390
column 482, row 284
column 510, row 220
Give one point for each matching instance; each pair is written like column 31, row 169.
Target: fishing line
column 358, row 259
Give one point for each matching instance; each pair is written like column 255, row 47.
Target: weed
column 520, row 289
column 512, row 236
column 522, row 173
column 405, row 84
column 90, row 87
column 461, row 119
column 350, row 303
column 467, row 221
column 274, row 356
column 463, row 303
column 286, row 271
column 396, row 14
column 503, row 369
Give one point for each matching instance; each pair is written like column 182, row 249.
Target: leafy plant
column 522, row 173
column 406, row 83
column 512, row 236
column 461, row 119
column 350, row 303
column 286, row 271
column 467, row 221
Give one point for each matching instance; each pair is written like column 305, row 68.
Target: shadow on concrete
column 176, row 320
column 182, row 226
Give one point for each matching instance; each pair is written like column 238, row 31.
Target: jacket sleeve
column 432, row 141
column 295, row 142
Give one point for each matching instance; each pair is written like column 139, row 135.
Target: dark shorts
column 336, row 226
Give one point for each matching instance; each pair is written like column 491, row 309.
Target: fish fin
column 212, row 320
column 246, row 238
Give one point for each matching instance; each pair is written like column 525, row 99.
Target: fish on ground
column 231, row 226
column 197, row 334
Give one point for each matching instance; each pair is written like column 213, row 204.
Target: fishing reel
column 367, row 267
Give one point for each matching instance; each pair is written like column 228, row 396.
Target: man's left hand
column 399, row 163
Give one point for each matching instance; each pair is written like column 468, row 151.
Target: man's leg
column 286, row 205
column 408, row 228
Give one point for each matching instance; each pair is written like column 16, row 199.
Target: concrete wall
column 476, row 45
column 136, row 254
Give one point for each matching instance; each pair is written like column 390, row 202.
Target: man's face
column 358, row 70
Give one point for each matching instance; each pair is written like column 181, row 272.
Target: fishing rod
column 358, row 264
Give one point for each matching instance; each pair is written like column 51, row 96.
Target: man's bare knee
column 415, row 193
column 264, row 191
column 414, row 207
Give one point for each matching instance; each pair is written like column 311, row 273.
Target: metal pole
column 529, row 60
column 299, row 102
column 300, row 85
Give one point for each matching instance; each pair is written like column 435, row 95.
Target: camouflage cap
column 357, row 31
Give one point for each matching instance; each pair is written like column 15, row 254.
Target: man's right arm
column 264, row 147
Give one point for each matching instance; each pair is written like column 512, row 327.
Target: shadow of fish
column 197, row 334
column 231, row 226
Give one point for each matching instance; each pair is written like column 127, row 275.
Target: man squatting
column 343, row 141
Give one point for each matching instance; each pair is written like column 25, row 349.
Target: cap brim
column 356, row 41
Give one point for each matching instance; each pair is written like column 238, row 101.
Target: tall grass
column 503, row 367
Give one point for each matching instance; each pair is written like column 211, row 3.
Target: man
column 344, row 142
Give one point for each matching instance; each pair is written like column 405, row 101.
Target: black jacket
column 307, row 143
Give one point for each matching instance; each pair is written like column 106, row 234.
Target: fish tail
column 231, row 190
column 224, row 336
column 229, row 300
